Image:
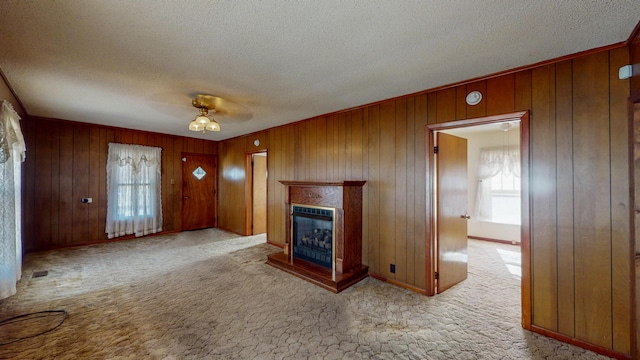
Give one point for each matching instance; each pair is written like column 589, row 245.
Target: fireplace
column 324, row 237
column 312, row 234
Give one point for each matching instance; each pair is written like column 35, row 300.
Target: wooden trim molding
column 248, row 194
column 525, row 243
column 281, row 246
column 116, row 239
column 635, row 34
column 398, row 283
column 580, row 343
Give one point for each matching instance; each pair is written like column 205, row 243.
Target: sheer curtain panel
column 12, row 154
column 493, row 161
column 133, row 190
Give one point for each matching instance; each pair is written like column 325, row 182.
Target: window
column 498, row 194
column 505, row 198
column 133, row 190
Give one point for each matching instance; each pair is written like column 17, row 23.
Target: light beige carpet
column 209, row 295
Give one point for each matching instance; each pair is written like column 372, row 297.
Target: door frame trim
column 248, row 191
column 525, row 230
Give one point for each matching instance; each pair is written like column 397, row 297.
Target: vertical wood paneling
column 321, row 150
column 356, row 145
column 374, row 185
column 96, row 227
column 273, row 168
column 461, row 102
column 410, row 193
column 43, row 171
column 54, row 134
column 346, row 147
column 142, row 138
column 126, row 136
column 400, row 186
column 178, row 149
column 360, row 130
column 446, row 105
column 300, row 151
column 479, row 110
column 621, row 241
column 543, row 187
column 634, row 55
column 231, row 215
column 167, row 174
column 312, row 150
column 80, row 185
column 500, row 95
column 68, row 162
column 421, row 196
column 190, row 145
column 564, row 200
column 340, row 150
column 432, row 110
column 523, row 90
column 107, row 135
column 331, row 141
column 387, row 188
column 66, row 185
column 592, row 186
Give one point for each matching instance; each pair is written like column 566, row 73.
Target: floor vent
column 37, row 274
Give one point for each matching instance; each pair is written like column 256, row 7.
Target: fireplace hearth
column 324, row 241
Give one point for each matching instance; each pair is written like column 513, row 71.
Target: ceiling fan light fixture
column 213, row 126
column 196, row 126
column 203, row 121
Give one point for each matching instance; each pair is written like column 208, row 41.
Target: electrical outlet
column 392, row 268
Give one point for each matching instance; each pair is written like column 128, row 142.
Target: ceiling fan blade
column 182, row 104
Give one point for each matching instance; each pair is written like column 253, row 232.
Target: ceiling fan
column 204, row 121
column 209, row 105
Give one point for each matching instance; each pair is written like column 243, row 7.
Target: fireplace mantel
column 345, row 197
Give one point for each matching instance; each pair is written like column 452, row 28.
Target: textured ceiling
column 137, row 64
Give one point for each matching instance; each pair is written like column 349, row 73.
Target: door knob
column 465, row 217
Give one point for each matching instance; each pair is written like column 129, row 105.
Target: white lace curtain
column 133, row 190
column 493, row 161
column 12, row 154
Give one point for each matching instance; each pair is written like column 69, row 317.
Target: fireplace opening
column 312, row 234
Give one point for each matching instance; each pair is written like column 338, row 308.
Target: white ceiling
column 137, row 64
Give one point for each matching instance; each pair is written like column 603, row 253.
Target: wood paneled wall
column 232, row 167
column 634, row 48
column 580, row 198
column 66, row 161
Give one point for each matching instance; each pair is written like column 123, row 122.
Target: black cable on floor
column 25, row 317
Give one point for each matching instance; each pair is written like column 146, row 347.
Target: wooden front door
column 199, row 191
column 451, row 170
column 259, row 185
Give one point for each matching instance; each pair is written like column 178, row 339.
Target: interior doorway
column 256, row 190
column 493, row 181
column 448, row 211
